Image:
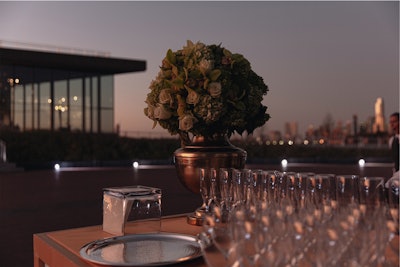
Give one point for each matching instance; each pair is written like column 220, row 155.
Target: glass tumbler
column 131, row 209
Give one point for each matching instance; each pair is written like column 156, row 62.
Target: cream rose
column 149, row 111
column 192, row 98
column 186, row 122
column 161, row 113
column 214, row 89
column 205, row 65
column 165, row 96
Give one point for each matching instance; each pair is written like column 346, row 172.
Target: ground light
column 284, row 163
column 361, row 162
column 56, row 166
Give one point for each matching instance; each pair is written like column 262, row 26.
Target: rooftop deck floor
column 48, row 200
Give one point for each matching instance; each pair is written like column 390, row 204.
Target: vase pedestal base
column 205, row 153
column 197, row 217
column 193, row 219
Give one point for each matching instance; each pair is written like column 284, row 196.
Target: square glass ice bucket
column 131, row 209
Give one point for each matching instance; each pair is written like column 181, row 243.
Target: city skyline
column 373, row 123
column 292, row 126
column 317, row 58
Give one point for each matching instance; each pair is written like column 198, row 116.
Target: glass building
column 42, row 90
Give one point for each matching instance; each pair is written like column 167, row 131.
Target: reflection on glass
column 75, row 104
column 44, row 106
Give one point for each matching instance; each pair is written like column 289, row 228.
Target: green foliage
column 206, row 90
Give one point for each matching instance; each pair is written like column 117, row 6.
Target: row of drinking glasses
column 272, row 218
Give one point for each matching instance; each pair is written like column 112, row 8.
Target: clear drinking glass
column 219, row 232
column 214, row 198
column 393, row 194
column 245, row 234
column 239, row 187
column 301, row 187
column 212, row 255
column 347, row 189
column 272, row 179
column 204, row 191
column 393, row 204
column 325, row 187
column 372, row 191
column 257, row 183
column 318, row 197
column 291, row 189
column 225, row 188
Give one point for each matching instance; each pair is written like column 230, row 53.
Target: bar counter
column 61, row 248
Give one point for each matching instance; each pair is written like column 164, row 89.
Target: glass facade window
column 106, row 104
column 60, row 105
column 17, row 106
column 95, row 110
column 46, row 99
column 44, row 119
column 75, row 104
column 87, row 104
column 36, row 106
column 29, row 110
column 91, row 104
column 50, row 90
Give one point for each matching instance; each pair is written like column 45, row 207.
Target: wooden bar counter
column 61, row 248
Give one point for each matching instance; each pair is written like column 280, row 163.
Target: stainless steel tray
column 154, row 249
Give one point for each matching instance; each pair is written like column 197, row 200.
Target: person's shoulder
column 390, row 141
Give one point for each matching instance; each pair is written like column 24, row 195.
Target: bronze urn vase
column 205, row 152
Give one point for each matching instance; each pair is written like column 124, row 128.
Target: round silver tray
column 154, row 249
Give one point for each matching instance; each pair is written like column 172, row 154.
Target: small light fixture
column 56, row 166
column 361, row 162
column 284, row 163
column 135, row 164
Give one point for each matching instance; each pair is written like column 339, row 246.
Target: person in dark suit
column 393, row 184
column 394, row 139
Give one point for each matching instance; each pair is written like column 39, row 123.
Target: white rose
column 198, row 54
column 165, row 96
column 205, row 65
column 214, row 89
column 160, row 112
column 192, row 98
column 186, row 123
column 150, row 112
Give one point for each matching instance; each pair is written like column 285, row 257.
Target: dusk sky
column 317, row 58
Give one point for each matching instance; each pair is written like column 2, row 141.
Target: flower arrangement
column 206, row 90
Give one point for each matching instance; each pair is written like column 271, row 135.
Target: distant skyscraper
column 291, row 129
column 275, row 135
column 379, row 123
column 355, row 124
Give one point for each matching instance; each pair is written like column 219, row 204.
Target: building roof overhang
column 72, row 62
